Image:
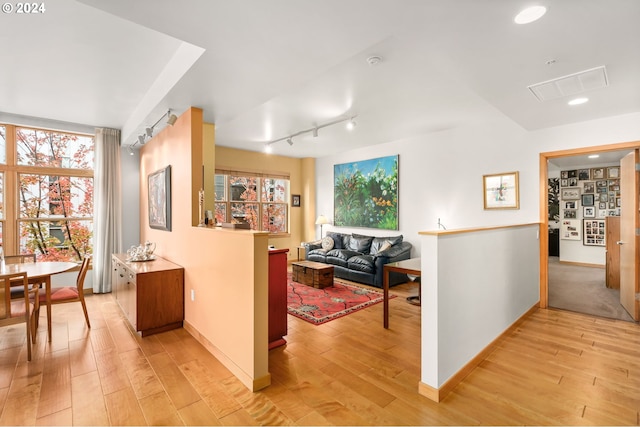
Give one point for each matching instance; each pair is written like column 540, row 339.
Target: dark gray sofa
column 361, row 258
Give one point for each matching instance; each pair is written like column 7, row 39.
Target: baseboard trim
column 253, row 384
column 437, row 394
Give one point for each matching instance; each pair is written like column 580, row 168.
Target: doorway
column 575, row 285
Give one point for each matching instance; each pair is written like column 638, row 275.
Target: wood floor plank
column 142, row 377
column 124, row 409
column 159, row 410
column 180, row 391
column 60, row 418
column 55, row 390
column 81, row 357
column 198, row 414
column 113, row 375
column 88, row 402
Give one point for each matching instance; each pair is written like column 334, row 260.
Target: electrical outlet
column 193, row 295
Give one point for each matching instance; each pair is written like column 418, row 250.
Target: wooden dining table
column 41, row 272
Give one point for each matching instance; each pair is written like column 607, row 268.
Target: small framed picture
column 570, row 205
column 564, row 182
column 295, row 200
column 613, row 172
column 589, row 187
column 597, row 173
column 587, row 199
column 570, row 194
column 501, row 191
column 570, row 214
column 589, row 212
column 584, row 174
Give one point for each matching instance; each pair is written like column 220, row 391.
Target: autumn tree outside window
column 46, row 181
column 260, row 200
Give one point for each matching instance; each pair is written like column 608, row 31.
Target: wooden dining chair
column 14, row 311
column 17, row 291
column 61, row 295
column 19, row 259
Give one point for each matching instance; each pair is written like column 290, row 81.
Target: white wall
column 474, row 286
column 440, row 176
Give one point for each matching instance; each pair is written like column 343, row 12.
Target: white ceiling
column 264, row 69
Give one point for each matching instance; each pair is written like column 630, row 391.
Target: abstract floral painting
column 366, row 193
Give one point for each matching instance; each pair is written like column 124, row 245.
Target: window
column 261, row 201
column 46, row 183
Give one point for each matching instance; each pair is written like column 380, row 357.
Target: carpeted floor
column 583, row 290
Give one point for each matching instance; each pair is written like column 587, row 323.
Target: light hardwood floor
column 556, row 368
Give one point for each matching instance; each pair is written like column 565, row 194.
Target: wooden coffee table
column 315, row 274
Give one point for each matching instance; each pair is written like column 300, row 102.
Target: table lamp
column 322, row 220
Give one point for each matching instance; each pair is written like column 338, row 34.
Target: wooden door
column 628, row 240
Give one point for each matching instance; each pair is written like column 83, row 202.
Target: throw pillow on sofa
column 327, row 243
column 337, row 239
column 360, row 243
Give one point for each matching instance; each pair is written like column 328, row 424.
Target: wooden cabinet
column 612, row 228
column 277, row 297
column 150, row 293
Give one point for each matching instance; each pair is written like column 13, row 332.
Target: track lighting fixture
column 314, row 131
column 148, row 132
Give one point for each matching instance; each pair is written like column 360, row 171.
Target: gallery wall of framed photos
column 587, row 197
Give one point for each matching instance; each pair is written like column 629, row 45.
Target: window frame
column 261, row 202
column 11, row 220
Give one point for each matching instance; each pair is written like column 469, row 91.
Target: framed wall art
column 366, row 193
column 159, row 188
column 589, row 212
column 570, row 194
column 570, row 229
column 295, row 200
column 587, row 199
column 501, row 191
column 593, row 232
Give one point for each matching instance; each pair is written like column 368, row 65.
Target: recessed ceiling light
column 594, row 156
column 530, row 14
column 578, row 101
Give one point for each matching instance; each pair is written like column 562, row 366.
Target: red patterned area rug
column 319, row 306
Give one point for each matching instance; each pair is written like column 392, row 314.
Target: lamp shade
column 322, row 220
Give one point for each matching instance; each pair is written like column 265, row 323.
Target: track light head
column 351, row 124
column 290, row 141
column 268, row 148
column 149, row 131
column 141, row 139
column 171, row 118
column 315, row 132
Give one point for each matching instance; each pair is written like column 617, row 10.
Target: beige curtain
column 107, row 206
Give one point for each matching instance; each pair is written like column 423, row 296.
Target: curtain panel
column 107, row 206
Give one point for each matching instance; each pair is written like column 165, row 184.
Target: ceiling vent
column 572, row 84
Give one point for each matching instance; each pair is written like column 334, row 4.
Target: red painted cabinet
column 277, row 297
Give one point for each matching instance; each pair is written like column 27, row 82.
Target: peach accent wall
column 302, row 176
column 226, row 269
